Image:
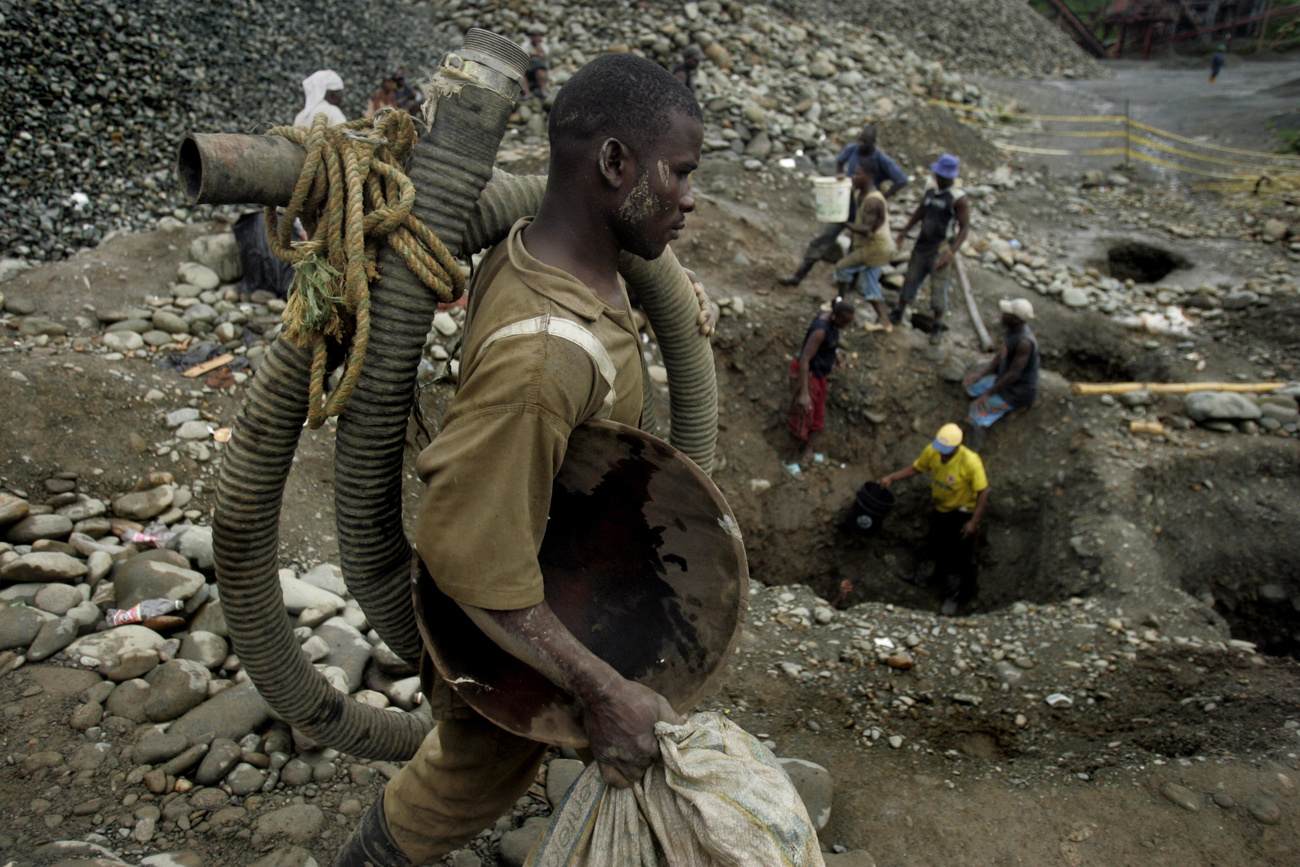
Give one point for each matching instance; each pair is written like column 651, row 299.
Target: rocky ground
column 1123, row 689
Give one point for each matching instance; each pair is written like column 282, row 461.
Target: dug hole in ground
column 1147, row 585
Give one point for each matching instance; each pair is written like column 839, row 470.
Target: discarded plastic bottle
column 139, row 613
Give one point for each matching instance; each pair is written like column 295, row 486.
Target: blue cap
column 946, row 166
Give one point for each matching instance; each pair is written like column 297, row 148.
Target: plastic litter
column 142, row 612
column 154, row 536
column 1059, row 699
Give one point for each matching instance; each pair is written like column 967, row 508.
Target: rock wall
column 99, row 93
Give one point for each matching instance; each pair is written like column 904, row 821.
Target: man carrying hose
column 550, row 344
column 960, row 492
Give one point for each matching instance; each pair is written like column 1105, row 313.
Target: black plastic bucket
column 870, row 507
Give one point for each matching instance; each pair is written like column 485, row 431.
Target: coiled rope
column 352, row 192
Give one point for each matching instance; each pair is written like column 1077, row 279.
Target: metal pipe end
column 494, row 50
column 189, row 169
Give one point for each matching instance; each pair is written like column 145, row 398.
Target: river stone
column 1075, row 297
column 139, row 579
column 198, row 275
column 1282, row 414
column 83, row 510
column 1203, row 406
column 186, row 760
column 172, row 859
column 219, row 254
column 1182, row 796
column 199, row 313
column 516, row 844
column 245, row 779
column 129, row 665
column 348, row 650
column 12, row 509
column 34, row 527
column 206, row 648
column 44, row 566
column 299, row 822
column 178, row 686
column 85, row 614
column 116, row 641
column 53, row 637
column 856, row 858
column 98, row 565
column 87, row 715
column 299, row 595
column 1264, row 810
column 57, row 599
column 327, row 577
column 230, row 714
column 159, row 748
column 88, row 757
column 813, row 783
column 127, row 700
column 170, row 322
column 19, row 627
column 210, row 618
column 222, row 755
column 560, row 775
column 36, row 326
column 123, row 341
column 195, row 545
column 139, row 326
column 143, row 505
column 290, row 856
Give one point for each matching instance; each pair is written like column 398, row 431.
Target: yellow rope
column 352, row 192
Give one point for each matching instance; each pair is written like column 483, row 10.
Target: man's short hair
column 842, row 307
column 622, row 96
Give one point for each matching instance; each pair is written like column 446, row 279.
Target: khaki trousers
column 467, row 773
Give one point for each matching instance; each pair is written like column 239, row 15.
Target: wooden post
column 986, row 342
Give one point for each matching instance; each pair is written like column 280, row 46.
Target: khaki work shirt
column 542, row 354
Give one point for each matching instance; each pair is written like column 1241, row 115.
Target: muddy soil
column 1126, row 574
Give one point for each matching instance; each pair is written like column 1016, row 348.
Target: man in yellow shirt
column 960, row 492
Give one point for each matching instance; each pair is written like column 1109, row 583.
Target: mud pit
column 1142, row 262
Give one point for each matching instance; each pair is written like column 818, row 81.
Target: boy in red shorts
column 808, row 374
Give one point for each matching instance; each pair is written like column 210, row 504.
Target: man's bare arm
column 618, row 714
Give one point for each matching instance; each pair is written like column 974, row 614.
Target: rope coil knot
column 351, row 193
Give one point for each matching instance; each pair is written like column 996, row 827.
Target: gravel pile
column 100, row 92
column 997, row 37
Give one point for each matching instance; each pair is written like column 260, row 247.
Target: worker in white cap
column 322, row 93
column 1010, row 379
column 959, row 490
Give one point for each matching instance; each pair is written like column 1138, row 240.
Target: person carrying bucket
column 942, row 207
column 873, row 245
column 862, row 150
column 959, row 490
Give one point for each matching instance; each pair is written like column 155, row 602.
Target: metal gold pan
column 642, row 561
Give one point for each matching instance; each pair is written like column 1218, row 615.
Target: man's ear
column 617, row 164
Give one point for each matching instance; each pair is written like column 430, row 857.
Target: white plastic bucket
column 831, row 199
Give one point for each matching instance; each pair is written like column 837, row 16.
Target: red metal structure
column 1124, row 24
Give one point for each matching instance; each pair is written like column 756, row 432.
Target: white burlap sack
column 718, row 799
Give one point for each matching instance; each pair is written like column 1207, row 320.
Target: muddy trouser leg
column 919, row 267
column 822, row 244
column 467, row 773
column 940, row 281
column 951, row 551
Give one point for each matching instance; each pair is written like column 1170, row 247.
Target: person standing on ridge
column 862, row 150
column 942, row 207
column 550, row 343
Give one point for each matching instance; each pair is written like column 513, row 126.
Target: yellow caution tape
column 1207, row 145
